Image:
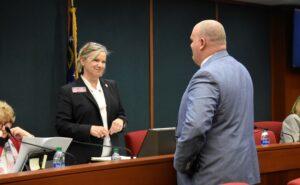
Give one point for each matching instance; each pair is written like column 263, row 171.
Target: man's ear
column 202, row 43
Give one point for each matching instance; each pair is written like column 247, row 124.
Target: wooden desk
column 149, row 171
column 279, row 164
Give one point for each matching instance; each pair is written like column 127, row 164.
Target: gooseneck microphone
column 7, row 129
column 109, row 146
column 283, row 133
column 45, row 149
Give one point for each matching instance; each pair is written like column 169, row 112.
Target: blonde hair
column 7, row 114
column 86, row 50
column 294, row 111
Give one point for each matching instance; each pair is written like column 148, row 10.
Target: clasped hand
column 101, row 132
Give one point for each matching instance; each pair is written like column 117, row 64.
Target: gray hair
column 86, row 51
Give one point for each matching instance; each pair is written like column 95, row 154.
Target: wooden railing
column 279, row 163
column 156, row 170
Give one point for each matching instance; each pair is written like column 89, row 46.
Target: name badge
column 78, row 89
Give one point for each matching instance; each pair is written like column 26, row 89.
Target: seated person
column 291, row 125
column 9, row 146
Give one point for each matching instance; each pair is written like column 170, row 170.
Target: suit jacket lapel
column 105, row 89
column 88, row 94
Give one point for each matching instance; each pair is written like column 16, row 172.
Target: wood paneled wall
column 285, row 79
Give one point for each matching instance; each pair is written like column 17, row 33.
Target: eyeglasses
column 5, row 125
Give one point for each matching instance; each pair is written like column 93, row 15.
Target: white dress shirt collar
column 205, row 60
column 89, row 85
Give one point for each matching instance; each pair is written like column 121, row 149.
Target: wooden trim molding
column 151, row 63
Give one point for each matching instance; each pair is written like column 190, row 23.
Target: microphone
column 45, row 149
column 288, row 135
column 7, row 129
column 282, row 133
column 101, row 145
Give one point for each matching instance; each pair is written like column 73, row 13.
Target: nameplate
column 78, row 89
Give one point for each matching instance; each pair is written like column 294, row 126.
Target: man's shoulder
column 225, row 64
column 216, row 66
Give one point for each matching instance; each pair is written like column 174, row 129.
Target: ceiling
column 273, row 2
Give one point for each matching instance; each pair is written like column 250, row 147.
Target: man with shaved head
column 215, row 141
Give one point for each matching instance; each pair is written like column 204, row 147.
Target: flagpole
column 74, row 35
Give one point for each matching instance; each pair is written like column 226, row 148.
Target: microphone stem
column 290, row 136
column 97, row 145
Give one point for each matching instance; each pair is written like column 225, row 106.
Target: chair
column 235, row 183
column 257, row 136
column 294, row 182
column 274, row 126
column 134, row 140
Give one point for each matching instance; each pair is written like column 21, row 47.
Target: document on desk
column 108, row 158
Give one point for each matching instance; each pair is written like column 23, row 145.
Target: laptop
column 158, row 141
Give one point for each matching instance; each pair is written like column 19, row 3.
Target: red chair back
column 274, row 126
column 294, row 182
column 257, row 136
column 134, row 140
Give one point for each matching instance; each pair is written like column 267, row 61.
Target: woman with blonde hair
column 9, row 146
column 290, row 131
column 90, row 109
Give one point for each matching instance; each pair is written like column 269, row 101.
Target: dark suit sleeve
column 65, row 124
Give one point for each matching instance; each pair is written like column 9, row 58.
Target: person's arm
column 65, row 124
column 120, row 123
column 203, row 96
column 20, row 133
column 290, row 128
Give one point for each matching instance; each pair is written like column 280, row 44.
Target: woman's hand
column 20, row 133
column 99, row 131
column 116, row 126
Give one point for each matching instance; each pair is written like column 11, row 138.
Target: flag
column 72, row 43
